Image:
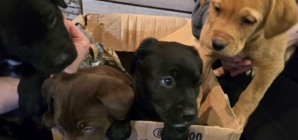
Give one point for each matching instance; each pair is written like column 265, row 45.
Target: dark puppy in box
column 34, row 43
column 89, row 104
column 167, row 76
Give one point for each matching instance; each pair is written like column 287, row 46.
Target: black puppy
column 34, row 43
column 167, row 76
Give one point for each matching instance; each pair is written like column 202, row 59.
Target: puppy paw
column 29, row 90
column 119, row 130
column 31, row 102
column 33, row 108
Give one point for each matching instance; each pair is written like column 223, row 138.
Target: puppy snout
column 189, row 114
column 219, row 43
column 62, row 59
column 66, row 56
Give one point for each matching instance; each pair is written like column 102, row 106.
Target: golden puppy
column 254, row 29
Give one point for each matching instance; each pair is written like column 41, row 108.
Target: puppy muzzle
column 189, row 114
column 182, row 114
column 218, row 43
column 64, row 59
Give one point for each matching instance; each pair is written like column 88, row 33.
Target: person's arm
column 8, row 93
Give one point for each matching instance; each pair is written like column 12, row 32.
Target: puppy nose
column 189, row 114
column 61, row 59
column 218, row 43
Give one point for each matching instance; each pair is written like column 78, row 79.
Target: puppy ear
column 60, row 3
column 142, row 52
column 282, row 15
column 116, row 96
column 48, row 118
column 148, row 42
column 48, row 93
column 51, row 89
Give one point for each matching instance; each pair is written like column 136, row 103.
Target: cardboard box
column 124, row 32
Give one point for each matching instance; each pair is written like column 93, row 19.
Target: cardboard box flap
column 79, row 20
column 124, row 32
column 182, row 35
column 148, row 130
column 216, row 111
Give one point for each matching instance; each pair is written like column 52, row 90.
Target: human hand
column 81, row 43
column 236, row 65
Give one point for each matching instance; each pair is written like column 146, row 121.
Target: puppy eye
column 167, row 81
column 52, row 20
column 247, row 21
column 89, row 129
column 217, row 9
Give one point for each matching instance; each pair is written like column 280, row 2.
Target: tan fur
column 264, row 42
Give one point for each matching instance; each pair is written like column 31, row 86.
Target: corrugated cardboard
column 125, row 32
column 122, row 32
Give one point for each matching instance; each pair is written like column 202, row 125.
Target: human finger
column 74, row 31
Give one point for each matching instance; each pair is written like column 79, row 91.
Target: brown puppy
column 254, row 29
column 89, row 104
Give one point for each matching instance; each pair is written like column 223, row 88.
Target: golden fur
column 254, row 29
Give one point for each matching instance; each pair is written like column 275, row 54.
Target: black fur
column 119, row 130
column 32, row 33
column 167, row 76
